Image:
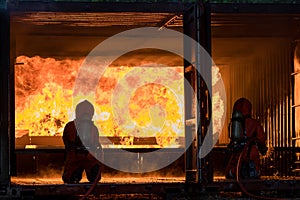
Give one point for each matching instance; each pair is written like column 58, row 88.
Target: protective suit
column 81, row 138
column 249, row 135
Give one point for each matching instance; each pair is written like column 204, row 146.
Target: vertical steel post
column 4, row 94
column 196, row 24
column 190, row 96
column 203, row 37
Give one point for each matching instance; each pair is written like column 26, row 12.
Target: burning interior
column 49, row 51
column 253, row 59
column 44, row 102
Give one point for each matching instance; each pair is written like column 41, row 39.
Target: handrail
column 294, row 106
column 296, row 138
column 295, row 73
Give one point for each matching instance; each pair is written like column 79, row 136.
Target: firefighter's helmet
column 84, row 110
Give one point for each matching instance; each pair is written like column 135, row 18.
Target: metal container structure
column 254, row 52
column 69, row 29
column 253, row 46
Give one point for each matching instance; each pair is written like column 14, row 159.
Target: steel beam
column 4, row 99
column 231, row 8
column 51, row 6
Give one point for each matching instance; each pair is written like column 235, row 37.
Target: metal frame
column 230, row 8
column 180, row 8
column 196, row 24
column 189, row 25
column 42, row 6
column 7, row 117
column 5, row 139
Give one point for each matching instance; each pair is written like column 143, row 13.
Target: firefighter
column 81, row 140
column 247, row 136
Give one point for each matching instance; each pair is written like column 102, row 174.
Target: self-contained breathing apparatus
column 238, row 141
column 237, row 132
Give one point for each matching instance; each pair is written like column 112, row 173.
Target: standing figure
column 81, row 139
column 247, row 136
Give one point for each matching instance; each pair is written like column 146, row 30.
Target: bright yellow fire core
column 44, row 100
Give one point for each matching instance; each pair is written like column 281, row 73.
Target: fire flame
column 44, row 101
column 43, row 94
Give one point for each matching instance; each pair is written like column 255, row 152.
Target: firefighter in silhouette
column 81, row 139
column 247, row 136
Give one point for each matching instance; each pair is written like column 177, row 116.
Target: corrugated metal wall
column 265, row 79
column 296, row 76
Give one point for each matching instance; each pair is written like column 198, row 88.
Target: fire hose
column 238, row 177
column 94, row 184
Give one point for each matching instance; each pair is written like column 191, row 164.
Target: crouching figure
column 82, row 147
column 247, row 141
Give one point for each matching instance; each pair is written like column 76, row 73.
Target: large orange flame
column 44, row 100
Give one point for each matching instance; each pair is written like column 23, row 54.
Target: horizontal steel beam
column 255, row 8
column 46, row 6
